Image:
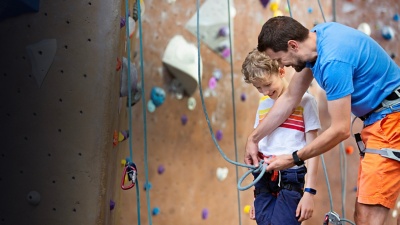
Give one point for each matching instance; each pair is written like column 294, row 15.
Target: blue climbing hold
column 147, row 186
column 157, row 95
column 396, row 17
column 155, row 211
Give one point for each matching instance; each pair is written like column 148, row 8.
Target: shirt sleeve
column 310, row 114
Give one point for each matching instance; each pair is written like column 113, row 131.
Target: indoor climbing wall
column 59, row 94
column 64, row 116
column 189, row 181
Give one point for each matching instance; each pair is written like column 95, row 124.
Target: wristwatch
column 296, row 159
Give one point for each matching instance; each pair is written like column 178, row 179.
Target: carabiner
column 332, row 217
column 130, row 169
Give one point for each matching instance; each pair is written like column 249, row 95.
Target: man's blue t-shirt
column 350, row 62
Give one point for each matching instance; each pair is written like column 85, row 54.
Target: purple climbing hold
column 122, row 22
column 184, row 119
column 243, row 97
column 160, row 169
column 212, row 83
column 219, row 135
column 112, row 204
column 223, row 31
column 226, row 52
column 204, row 214
column 264, row 3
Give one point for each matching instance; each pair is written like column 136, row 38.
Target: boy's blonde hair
column 257, row 65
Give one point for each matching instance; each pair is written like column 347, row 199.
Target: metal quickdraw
column 332, row 217
column 131, row 171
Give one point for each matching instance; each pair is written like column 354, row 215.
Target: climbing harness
column 387, row 103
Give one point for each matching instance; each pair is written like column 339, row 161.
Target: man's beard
column 299, row 66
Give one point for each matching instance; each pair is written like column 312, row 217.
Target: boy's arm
column 305, row 207
column 281, row 110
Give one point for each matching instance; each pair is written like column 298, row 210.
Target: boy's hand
column 305, row 207
column 252, row 213
column 251, row 153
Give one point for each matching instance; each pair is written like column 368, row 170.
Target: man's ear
column 293, row 45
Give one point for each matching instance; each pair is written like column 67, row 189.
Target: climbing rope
column 261, row 168
column 234, row 109
column 146, row 169
column 130, row 108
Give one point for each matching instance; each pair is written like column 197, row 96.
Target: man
column 358, row 77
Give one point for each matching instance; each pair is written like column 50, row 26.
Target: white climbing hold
column 222, row 173
column 191, row 103
column 365, row 28
column 41, row 55
column 394, row 213
column 150, row 106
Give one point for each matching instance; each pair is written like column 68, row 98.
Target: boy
column 279, row 198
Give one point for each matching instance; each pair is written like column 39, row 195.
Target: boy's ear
column 281, row 72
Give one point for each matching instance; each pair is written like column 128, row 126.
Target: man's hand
column 279, row 162
column 305, row 207
column 251, row 154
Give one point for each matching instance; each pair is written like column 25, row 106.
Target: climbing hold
column 184, row 119
column 310, row 10
column 365, row 28
column 155, row 211
column 393, row 55
column 157, row 95
column 124, row 78
column 123, row 162
column 160, row 169
column 355, row 189
column 119, row 64
column 150, row 106
column 123, row 135
column 219, row 135
column 147, row 186
column 112, row 204
column 122, row 22
column 396, row 17
column 398, row 204
column 349, row 150
column 212, row 83
column 115, row 138
column 222, row 173
column 226, row 52
column 246, row 209
column 277, row 13
column 132, row 25
column 204, row 214
column 191, row 103
column 135, row 95
column 33, row 198
column 217, row 74
column 264, row 3
column 274, row 6
column 387, row 32
column 41, row 56
column 223, row 31
column 243, row 97
column 394, row 213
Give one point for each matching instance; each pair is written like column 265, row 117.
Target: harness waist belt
column 391, row 97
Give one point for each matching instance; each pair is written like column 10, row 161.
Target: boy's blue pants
column 276, row 205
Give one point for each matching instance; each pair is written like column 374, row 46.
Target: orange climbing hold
column 349, row 150
column 119, row 64
column 115, row 138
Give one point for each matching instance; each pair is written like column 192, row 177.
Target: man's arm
column 281, row 110
column 338, row 131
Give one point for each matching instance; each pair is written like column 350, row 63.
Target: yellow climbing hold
column 246, row 209
column 278, row 13
column 274, row 6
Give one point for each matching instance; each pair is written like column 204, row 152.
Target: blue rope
column 290, row 10
column 129, row 101
column 234, row 109
column 251, row 168
column 144, row 115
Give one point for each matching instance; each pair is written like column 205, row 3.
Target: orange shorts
column 379, row 177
